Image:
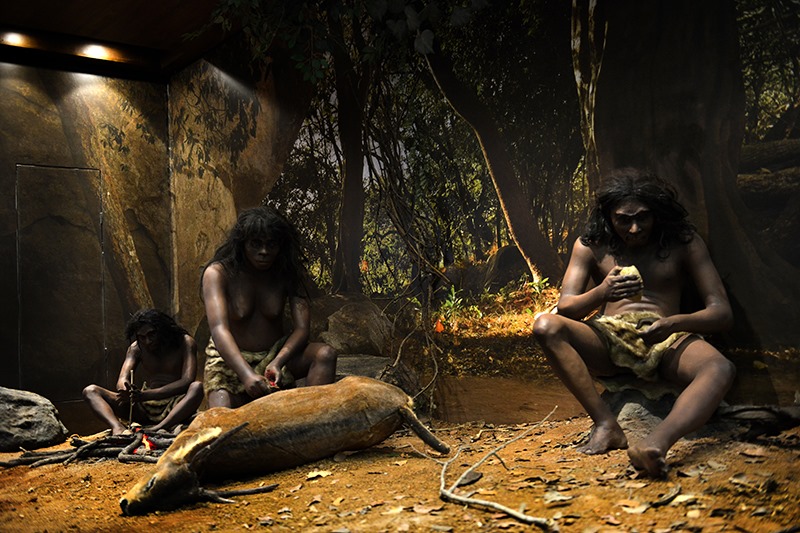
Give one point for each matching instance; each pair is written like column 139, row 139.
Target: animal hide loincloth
column 218, row 375
column 625, row 346
column 157, row 410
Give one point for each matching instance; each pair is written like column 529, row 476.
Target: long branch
column 450, row 495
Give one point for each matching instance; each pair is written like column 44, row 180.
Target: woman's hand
column 273, row 375
column 255, row 385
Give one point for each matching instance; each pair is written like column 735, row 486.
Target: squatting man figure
column 246, row 286
column 170, row 395
column 640, row 328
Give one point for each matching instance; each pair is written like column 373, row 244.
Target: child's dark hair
column 168, row 332
column 265, row 223
column 672, row 225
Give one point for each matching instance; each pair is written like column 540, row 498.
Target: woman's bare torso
column 255, row 310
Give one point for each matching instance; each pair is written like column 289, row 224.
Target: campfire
column 138, row 447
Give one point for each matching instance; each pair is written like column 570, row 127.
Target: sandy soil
column 715, row 483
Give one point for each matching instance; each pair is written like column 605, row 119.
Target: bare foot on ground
column 649, row 459
column 603, row 439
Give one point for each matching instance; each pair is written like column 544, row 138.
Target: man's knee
column 726, row 370
column 548, row 326
column 91, row 391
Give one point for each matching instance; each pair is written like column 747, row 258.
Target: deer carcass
column 279, row 431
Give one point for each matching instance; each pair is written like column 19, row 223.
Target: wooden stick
column 130, row 401
column 450, row 495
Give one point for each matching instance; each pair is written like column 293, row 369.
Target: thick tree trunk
column 349, row 84
column 541, row 258
column 769, row 190
column 770, row 155
column 670, row 97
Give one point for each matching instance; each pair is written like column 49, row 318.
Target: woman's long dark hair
column 671, row 227
column 168, row 332
column 265, row 223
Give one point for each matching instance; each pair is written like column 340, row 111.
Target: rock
column 371, row 366
column 381, row 368
column 505, row 266
column 357, row 327
column 639, row 415
column 636, row 413
column 28, row 421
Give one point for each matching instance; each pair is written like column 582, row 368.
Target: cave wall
column 84, row 218
column 232, row 124
column 115, row 193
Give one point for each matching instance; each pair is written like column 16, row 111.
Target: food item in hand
column 632, row 271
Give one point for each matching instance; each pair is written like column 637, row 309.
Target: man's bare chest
column 658, row 273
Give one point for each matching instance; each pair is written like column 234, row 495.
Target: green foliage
column 769, row 34
column 455, row 308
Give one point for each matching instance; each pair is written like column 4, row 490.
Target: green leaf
column 412, row 18
column 397, row 27
column 460, row 16
column 377, row 9
column 423, row 43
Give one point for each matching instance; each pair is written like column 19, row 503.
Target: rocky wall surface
column 84, row 197
column 233, row 122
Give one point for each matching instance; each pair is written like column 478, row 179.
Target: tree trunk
column 770, row 155
column 670, row 97
column 771, row 190
column 349, row 89
column 542, row 259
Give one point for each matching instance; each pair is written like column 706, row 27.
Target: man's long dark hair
column 168, row 332
column 671, row 226
column 265, row 223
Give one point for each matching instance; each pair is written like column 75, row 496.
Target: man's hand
column 618, row 287
column 130, row 394
column 658, row 331
column 124, row 396
column 255, row 385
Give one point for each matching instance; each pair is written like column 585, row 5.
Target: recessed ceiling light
column 96, row 51
column 14, row 39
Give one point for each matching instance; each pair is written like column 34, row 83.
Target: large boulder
column 28, row 421
column 505, row 266
column 354, row 324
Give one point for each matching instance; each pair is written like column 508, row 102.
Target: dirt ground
column 715, row 483
column 490, row 371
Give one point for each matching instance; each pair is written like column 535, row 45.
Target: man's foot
column 649, row 460
column 119, row 430
column 603, row 439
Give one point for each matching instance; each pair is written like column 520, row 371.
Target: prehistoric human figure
column 641, row 328
column 246, row 286
column 170, row 394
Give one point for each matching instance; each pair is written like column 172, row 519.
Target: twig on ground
column 448, row 494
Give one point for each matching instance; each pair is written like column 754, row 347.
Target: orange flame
column 146, row 443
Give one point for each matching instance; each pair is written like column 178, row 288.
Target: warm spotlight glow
column 14, row 39
column 96, row 51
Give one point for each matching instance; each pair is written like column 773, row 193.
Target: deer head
column 176, row 480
